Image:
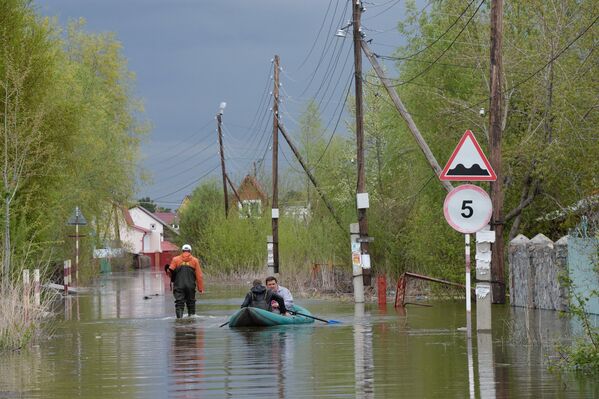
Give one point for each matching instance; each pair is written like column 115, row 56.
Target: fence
column 537, row 266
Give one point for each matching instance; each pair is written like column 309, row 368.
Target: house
column 143, row 233
column 169, row 218
column 252, row 196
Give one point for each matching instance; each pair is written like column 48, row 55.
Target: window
column 250, row 208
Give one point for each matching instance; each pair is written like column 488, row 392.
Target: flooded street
column 122, row 341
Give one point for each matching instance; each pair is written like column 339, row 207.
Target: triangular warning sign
column 468, row 162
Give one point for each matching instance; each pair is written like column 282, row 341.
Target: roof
column 166, row 217
column 168, row 246
column 130, row 222
column 250, row 189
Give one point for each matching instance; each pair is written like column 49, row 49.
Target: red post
column 381, row 289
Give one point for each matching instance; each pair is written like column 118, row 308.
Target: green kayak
column 256, row 317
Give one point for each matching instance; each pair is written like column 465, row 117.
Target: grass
column 21, row 319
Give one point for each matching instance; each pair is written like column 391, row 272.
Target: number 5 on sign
column 467, row 208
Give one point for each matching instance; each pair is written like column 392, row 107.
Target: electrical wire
column 185, row 140
column 325, row 49
column 442, row 34
column 187, row 185
column 317, row 35
column 443, row 52
column 520, row 83
column 335, row 128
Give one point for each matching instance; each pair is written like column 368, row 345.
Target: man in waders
column 186, row 274
column 260, row 297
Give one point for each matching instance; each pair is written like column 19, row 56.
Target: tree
column 147, row 203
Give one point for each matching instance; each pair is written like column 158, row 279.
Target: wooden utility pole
column 497, row 220
column 234, row 189
column 428, row 154
column 222, row 159
column 275, row 166
column 361, row 186
column 310, row 175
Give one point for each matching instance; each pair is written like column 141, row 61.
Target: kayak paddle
column 315, row 318
column 224, row 324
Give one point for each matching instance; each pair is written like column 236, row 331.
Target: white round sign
column 467, row 208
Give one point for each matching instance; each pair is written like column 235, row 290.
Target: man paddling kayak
column 260, row 297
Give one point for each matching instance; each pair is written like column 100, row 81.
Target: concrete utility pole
column 362, row 195
column 497, row 220
column 219, row 116
column 275, row 166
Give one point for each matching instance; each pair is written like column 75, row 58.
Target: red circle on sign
column 467, row 208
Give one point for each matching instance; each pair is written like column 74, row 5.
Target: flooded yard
column 122, row 340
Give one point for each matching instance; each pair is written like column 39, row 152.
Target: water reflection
column 486, row 374
column 186, row 360
column 363, row 360
column 122, row 345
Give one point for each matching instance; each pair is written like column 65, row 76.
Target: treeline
column 69, row 135
column 549, row 150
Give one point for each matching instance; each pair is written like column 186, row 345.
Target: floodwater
column 122, row 341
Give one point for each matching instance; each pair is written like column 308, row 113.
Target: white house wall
column 154, row 238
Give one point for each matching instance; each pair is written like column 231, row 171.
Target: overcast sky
column 190, row 55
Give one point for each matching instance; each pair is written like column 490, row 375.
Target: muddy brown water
column 122, row 341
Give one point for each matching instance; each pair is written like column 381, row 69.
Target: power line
column 325, row 48
column 185, row 140
column 336, row 125
column 383, row 11
column 442, row 34
column 317, row 35
column 187, row 185
column 443, row 52
column 518, row 84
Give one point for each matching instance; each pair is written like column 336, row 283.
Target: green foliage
column 582, row 355
column 147, row 203
column 67, row 114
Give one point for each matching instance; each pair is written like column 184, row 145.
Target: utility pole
column 219, row 117
column 403, row 112
column 310, row 175
column 275, row 166
column 497, row 258
column 362, row 195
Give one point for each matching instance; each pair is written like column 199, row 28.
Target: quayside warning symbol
column 468, row 162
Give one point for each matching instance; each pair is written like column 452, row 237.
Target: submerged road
column 122, row 341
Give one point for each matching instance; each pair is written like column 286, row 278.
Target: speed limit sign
column 467, row 208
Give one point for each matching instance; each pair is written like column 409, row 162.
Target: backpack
column 261, row 301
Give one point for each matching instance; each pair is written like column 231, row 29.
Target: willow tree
column 27, row 62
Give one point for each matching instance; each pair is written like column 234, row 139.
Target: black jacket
column 260, row 297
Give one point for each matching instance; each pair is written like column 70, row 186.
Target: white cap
column 186, row 247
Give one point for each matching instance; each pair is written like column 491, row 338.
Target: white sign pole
column 468, row 299
column 468, row 304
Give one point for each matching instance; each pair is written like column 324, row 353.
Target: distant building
column 143, row 233
column 252, row 197
column 297, row 212
column 169, row 218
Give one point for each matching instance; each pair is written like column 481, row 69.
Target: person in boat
column 186, row 274
column 273, row 285
column 260, row 297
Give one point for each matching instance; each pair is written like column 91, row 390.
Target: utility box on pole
column 354, row 230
